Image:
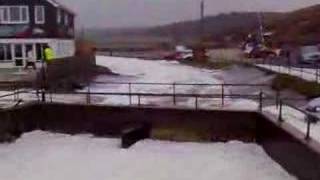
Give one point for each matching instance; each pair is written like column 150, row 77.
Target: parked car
column 181, row 53
column 314, row 105
column 259, row 51
column 310, row 55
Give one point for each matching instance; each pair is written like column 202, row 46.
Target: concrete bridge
column 285, row 144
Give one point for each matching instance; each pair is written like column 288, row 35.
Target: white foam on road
column 138, row 70
column 39, row 155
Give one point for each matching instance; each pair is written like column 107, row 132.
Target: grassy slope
column 306, row 88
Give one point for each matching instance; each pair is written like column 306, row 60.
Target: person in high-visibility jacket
column 48, row 54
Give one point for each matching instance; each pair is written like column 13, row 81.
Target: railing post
column 289, row 69
column 51, row 99
column 308, row 128
column 37, row 93
column 130, row 94
column 280, row 118
column 196, row 103
column 14, row 92
column 174, row 94
column 222, row 95
column 277, row 98
column 139, row 100
column 43, row 95
column 260, row 101
column 317, row 74
column 88, row 95
column 18, row 94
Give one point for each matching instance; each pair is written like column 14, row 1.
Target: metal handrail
column 306, row 113
column 316, row 74
column 162, row 94
column 261, row 97
column 180, row 84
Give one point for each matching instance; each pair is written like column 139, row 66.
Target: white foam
column 39, row 155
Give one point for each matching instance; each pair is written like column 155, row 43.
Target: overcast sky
column 136, row 13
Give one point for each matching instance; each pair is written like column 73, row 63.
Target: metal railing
column 300, row 71
column 174, row 97
column 261, row 97
column 172, row 91
column 309, row 117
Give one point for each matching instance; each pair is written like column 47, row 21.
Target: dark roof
column 59, row 5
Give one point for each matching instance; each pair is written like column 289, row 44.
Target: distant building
column 29, row 24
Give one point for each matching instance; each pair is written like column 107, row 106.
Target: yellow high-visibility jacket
column 49, row 54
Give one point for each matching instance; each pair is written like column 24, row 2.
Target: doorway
column 19, row 55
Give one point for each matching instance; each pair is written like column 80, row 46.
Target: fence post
column 317, row 74
column 222, row 94
column 43, row 95
column 260, row 100
column 308, row 128
column 139, row 100
column 174, row 94
column 37, row 93
column 51, row 99
column 130, row 94
column 196, row 103
column 88, row 95
column 280, row 118
column 277, row 98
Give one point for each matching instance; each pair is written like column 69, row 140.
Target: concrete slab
column 12, row 74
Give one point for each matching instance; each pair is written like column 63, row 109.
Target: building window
column 66, row 20
column 14, row 14
column 59, row 16
column 39, row 14
column 5, row 52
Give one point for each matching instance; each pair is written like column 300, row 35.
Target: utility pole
column 202, row 15
column 199, row 51
column 261, row 28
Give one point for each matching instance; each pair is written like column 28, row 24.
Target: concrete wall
column 110, row 121
column 283, row 143
column 166, row 123
column 287, row 146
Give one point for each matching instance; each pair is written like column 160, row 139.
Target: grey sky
column 128, row 13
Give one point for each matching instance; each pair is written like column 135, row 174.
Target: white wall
column 63, row 48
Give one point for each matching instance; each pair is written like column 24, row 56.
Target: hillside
column 299, row 27
column 233, row 25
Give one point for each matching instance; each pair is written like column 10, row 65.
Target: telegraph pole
column 261, row 28
column 200, row 51
column 202, row 15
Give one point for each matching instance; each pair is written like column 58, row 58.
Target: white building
column 29, row 25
